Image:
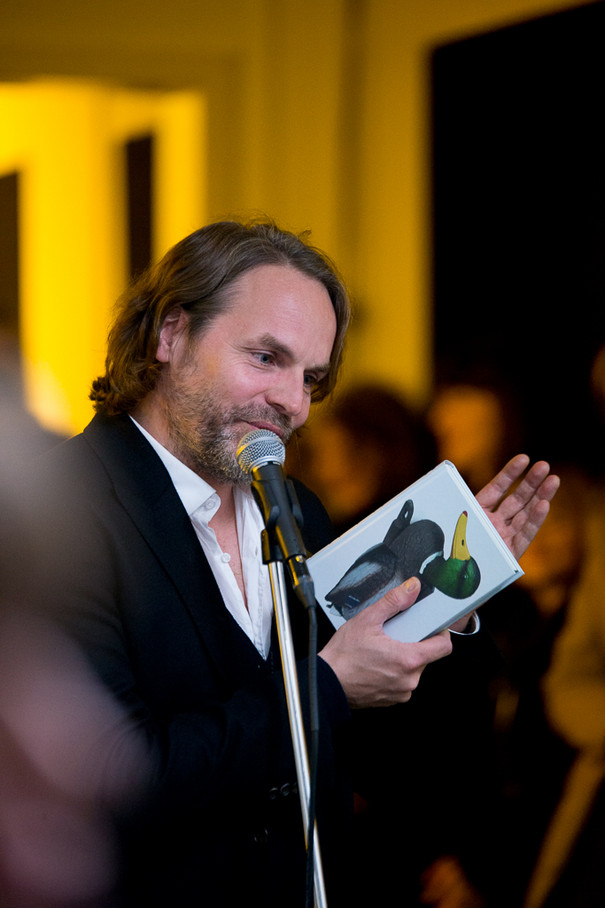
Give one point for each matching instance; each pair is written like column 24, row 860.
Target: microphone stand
column 273, row 557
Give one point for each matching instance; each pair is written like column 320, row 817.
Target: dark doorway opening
column 519, row 220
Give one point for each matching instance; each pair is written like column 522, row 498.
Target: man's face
column 253, row 367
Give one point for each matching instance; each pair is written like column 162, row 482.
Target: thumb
column 394, row 601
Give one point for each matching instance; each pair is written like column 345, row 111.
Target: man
column 149, row 549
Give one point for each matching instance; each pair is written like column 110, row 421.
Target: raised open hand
column 518, row 511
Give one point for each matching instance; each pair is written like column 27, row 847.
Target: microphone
column 260, row 455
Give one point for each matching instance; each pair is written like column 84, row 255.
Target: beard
column 205, row 434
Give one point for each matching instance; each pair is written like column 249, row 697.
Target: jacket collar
column 144, row 488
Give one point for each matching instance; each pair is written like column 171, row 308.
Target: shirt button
column 225, row 557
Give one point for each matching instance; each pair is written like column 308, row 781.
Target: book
column 434, row 530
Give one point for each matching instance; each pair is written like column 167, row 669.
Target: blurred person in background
column 475, row 421
column 69, row 758
column 70, row 762
column 21, row 434
column 570, row 872
column 364, row 448
column 545, row 695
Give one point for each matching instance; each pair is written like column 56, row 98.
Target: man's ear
column 173, row 326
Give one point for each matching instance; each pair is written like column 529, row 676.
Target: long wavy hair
column 195, row 275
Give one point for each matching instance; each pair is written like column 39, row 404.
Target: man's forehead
column 280, row 293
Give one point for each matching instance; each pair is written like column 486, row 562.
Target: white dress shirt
column 202, row 502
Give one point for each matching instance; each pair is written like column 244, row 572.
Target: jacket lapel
column 146, row 492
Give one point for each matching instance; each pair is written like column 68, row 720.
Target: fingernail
column 411, row 585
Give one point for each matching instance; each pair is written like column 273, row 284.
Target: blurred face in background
column 468, row 426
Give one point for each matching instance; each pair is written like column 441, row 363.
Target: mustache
column 265, row 415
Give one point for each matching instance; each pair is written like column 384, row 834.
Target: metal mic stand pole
column 282, row 617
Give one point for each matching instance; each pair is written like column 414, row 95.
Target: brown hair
column 195, row 275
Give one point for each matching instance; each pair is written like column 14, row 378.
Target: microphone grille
column 258, row 447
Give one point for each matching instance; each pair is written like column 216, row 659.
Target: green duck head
column 457, row 576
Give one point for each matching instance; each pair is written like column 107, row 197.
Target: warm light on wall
column 177, row 121
column 64, row 138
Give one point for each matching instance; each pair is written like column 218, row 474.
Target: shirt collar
column 191, row 488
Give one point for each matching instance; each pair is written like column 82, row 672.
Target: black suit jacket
column 116, row 558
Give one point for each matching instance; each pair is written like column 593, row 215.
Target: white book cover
column 434, row 530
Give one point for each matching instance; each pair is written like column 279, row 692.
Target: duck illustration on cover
column 409, row 549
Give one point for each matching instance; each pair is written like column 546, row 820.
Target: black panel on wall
column 139, row 168
column 519, row 218
column 9, row 252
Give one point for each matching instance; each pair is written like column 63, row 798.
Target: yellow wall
column 64, row 139
column 314, row 111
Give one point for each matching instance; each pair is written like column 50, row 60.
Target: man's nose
column 289, row 395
